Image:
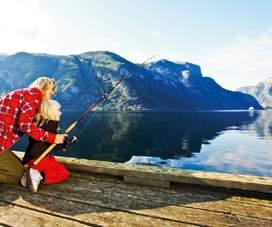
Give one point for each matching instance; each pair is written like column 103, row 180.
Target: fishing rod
column 103, row 97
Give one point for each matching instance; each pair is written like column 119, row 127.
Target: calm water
column 232, row 142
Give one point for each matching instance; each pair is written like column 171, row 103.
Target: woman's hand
column 60, row 138
column 68, row 142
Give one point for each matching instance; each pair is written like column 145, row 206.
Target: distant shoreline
column 162, row 111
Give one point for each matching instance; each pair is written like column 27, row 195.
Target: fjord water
column 220, row 141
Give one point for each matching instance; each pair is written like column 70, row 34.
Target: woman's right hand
column 60, row 138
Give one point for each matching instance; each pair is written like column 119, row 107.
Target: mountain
column 262, row 92
column 159, row 86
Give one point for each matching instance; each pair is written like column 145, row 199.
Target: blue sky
column 230, row 39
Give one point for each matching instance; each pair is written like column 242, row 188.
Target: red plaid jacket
column 17, row 112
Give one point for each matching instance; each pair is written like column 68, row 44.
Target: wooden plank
column 254, row 201
column 74, row 210
column 149, row 182
column 149, row 209
column 12, row 215
column 216, row 210
column 89, row 175
column 214, row 201
column 234, row 181
column 178, row 213
column 188, row 192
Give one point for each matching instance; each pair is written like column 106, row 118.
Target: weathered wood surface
column 94, row 200
column 163, row 177
column 147, row 174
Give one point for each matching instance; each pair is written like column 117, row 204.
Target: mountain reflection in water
column 224, row 141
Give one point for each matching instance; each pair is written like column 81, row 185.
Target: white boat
column 251, row 108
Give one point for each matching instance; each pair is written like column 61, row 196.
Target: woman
column 17, row 112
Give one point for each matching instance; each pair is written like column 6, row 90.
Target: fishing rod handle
column 71, row 127
column 50, row 148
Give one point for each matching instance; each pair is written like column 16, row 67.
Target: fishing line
column 105, row 96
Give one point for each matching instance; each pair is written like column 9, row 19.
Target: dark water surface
column 232, row 142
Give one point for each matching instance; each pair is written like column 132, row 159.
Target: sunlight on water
column 223, row 141
column 233, row 152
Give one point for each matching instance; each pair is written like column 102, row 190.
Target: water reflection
column 119, row 136
column 244, row 150
column 263, row 125
column 235, row 142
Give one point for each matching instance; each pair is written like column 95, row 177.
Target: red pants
column 53, row 171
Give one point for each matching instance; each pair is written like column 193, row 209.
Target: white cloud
column 156, row 35
column 137, row 55
column 134, row 55
column 245, row 61
column 116, row 45
column 23, row 26
column 29, row 26
column 172, row 55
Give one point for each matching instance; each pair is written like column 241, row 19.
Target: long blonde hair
column 44, row 83
column 48, row 111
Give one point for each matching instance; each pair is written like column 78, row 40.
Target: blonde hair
column 44, row 83
column 48, row 111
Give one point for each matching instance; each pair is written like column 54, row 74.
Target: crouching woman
column 17, row 113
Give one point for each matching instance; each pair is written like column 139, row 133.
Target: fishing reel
column 68, row 141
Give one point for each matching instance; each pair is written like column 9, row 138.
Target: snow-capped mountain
column 262, row 92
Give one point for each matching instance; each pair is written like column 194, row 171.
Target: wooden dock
column 108, row 194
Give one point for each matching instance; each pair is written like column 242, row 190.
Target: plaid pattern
column 17, row 112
